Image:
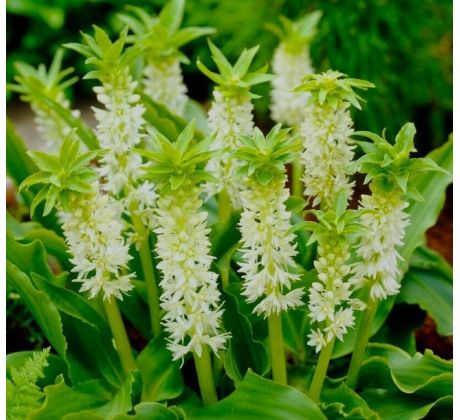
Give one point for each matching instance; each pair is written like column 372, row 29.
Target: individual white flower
column 93, row 231
column 163, row 82
column 316, row 339
column 384, row 221
column 190, row 297
column 290, row 66
column 268, row 250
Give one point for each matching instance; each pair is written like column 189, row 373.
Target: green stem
column 225, row 208
column 149, row 274
column 364, row 332
column 321, row 370
column 205, row 376
column 278, row 362
column 296, row 180
column 119, row 334
column 218, row 366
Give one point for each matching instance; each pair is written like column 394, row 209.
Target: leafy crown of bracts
column 109, row 58
column 32, row 82
column 64, row 175
column 177, row 164
column 390, row 166
column 235, row 79
column 162, row 35
column 297, row 34
column 263, row 158
column 333, row 88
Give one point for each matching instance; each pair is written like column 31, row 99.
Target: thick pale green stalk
column 296, row 179
column 119, row 334
column 225, row 208
column 278, row 362
column 362, row 338
column 205, row 376
column 321, row 370
column 149, row 274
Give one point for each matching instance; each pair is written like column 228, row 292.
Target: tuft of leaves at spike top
column 333, row 88
column 235, row 79
column 32, row 82
column 296, row 34
column 106, row 56
column 263, row 158
column 338, row 219
column 64, row 175
column 161, row 35
column 179, row 164
column 390, row 166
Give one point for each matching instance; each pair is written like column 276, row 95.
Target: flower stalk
column 359, row 351
column 149, row 274
column 320, row 372
column 119, row 334
column 277, row 358
column 205, row 376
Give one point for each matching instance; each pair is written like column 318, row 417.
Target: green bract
column 107, row 56
column 63, row 175
column 178, row 164
column 333, row 87
column 264, row 157
column 38, row 81
column 296, row 34
column 235, row 79
column 161, row 34
column 338, row 220
column 389, row 164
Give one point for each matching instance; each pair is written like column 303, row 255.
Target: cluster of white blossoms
column 163, row 82
column 330, row 303
column 290, row 66
column 93, row 232
column 230, row 116
column 268, row 250
column 119, row 130
column 384, row 221
column 52, row 128
column 190, row 294
column 327, row 154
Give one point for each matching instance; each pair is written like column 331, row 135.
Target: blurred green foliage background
column 403, row 46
